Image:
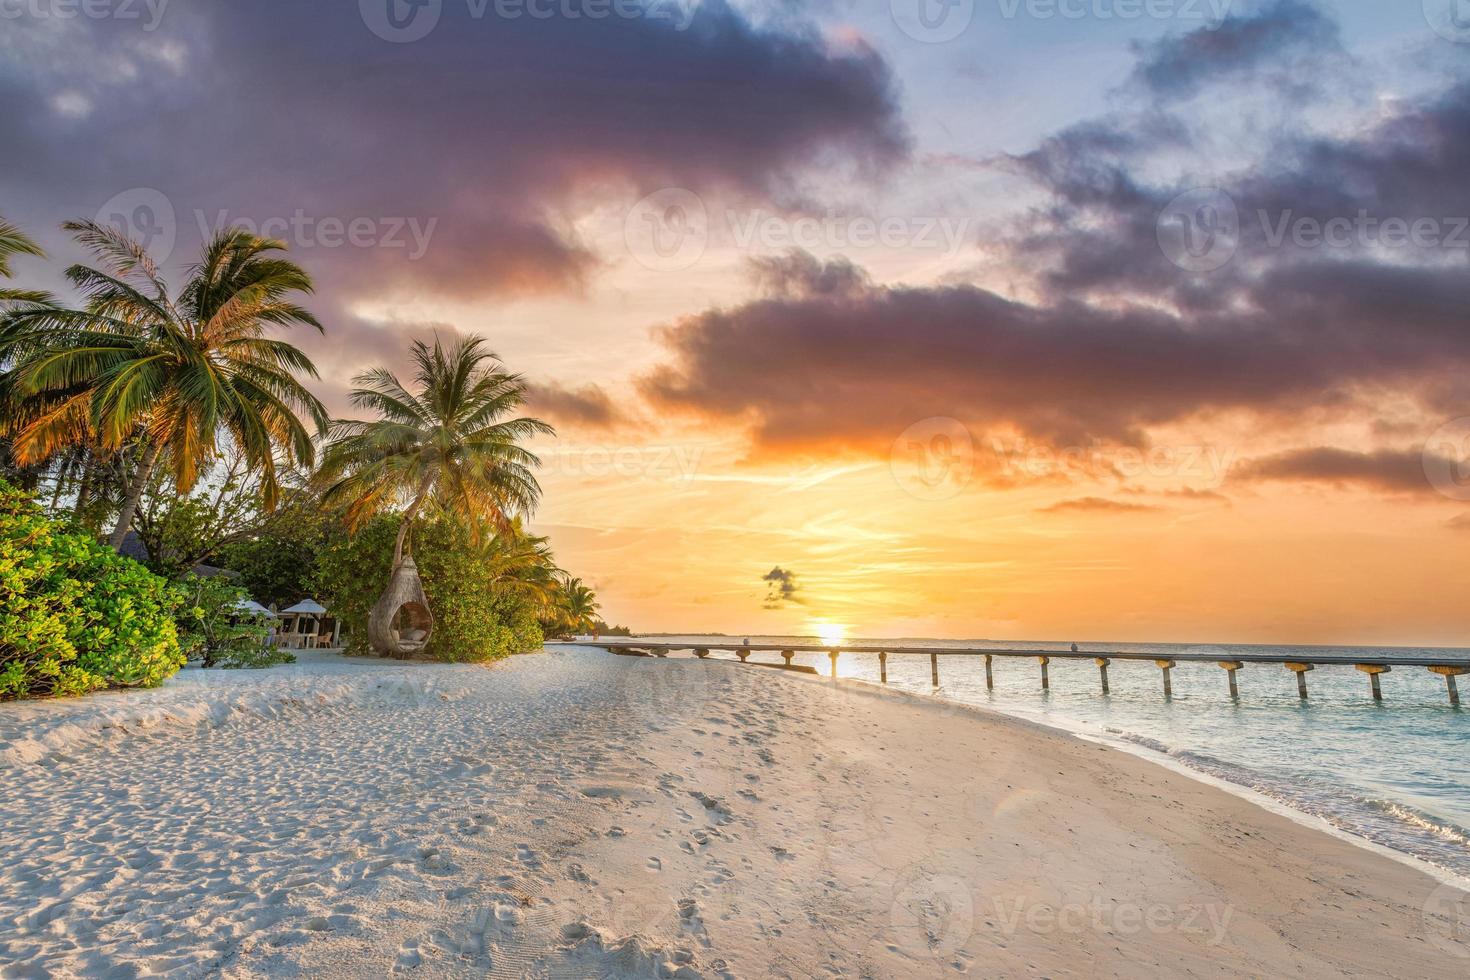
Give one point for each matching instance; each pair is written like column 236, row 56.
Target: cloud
column 587, row 406
column 781, row 588
column 814, row 373
column 798, row 273
column 1276, row 38
column 1460, row 523
column 492, row 129
column 1113, row 340
column 1387, row 470
column 1096, row 505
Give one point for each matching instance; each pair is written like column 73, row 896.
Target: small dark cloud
column 1096, row 505
column 587, row 406
column 781, row 588
column 1387, row 470
column 1276, row 39
column 799, row 273
column 1460, row 523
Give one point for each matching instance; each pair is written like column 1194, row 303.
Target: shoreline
column 1165, row 761
column 575, row 813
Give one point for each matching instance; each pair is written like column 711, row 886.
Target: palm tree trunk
column 84, row 488
column 408, row 517
column 135, row 494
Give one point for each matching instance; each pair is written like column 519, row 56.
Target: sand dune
column 576, row 814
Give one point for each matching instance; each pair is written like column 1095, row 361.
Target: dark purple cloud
column 1275, row 40
column 484, row 128
column 1123, row 336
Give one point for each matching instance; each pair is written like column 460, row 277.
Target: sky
column 1034, row 319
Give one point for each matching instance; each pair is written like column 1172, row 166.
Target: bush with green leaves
column 214, row 629
column 74, row 616
column 476, row 618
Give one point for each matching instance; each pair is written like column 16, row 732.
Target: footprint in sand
column 654, row 864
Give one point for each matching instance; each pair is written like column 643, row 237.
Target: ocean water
column 1395, row 773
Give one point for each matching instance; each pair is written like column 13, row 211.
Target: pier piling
column 786, row 655
column 1166, row 666
column 1230, row 667
column 883, row 667
column 989, row 674
column 934, row 669
column 1045, row 680
column 1102, row 668
column 1373, row 671
column 1301, row 677
column 1449, row 674
column 701, row 652
column 832, row 655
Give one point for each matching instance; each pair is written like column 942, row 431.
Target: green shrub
column 74, row 616
column 213, row 630
column 475, row 619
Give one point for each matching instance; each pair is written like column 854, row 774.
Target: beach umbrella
column 306, row 607
column 252, row 608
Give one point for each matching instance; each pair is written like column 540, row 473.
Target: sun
column 830, row 634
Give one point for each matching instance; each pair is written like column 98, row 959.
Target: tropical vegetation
column 177, row 426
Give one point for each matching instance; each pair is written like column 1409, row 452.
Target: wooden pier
column 1375, row 667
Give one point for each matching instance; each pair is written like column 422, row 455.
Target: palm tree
column 13, row 242
column 455, row 445
column 167, row 377
column 579, row 606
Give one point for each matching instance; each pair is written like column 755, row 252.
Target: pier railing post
column 1301, row 677
column 1449, row 674
column 1102, row 668
column 1045, row 680
column 934, row 669
column 883, row 667
column 989, row 673
column 1373, row 671
column 1166, row 666
column 832, row 655
column 1230, row 667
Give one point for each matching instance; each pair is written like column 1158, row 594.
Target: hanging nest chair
column 400, row 624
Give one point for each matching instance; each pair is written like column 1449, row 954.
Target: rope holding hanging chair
column 403, row 600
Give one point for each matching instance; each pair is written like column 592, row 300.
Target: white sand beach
column 575, row 814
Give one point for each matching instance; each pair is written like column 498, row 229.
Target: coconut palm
column 168, row 377
column 454, row 445
column 13, row 242
column 578, row 606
